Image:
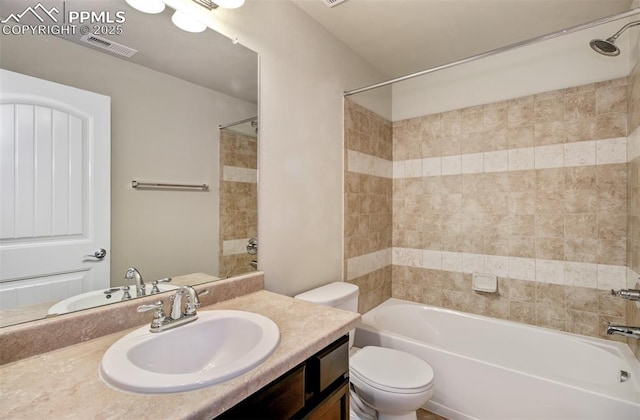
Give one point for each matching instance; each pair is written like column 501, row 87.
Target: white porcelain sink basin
column 98, row 298
column 216, row 347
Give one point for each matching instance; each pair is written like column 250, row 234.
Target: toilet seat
column 391, row 370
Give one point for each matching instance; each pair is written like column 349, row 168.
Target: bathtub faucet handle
column 630, row 294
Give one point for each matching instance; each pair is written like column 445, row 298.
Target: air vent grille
column 110, row 46
column 333, row 3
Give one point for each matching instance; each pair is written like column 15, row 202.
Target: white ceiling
column 400, row 37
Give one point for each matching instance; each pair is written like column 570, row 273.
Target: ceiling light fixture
column 181, row 19
column 229, row 4
column 147, row 6
column 225, row 4
column 187, row 22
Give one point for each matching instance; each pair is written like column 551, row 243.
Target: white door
column 54, row 190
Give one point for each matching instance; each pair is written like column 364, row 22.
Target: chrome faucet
column 178, row 316
column 133, row 274
column 623, row 330
column 192, row 303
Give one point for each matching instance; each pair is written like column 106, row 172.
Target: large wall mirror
column 183, row 111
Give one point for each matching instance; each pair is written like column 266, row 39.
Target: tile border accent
column 584, row 153
column 568, row 273
column 632, row 279
column 237, row 174
column 565, row 155
column 234, row 246
column 368, row 263
column 363, row 163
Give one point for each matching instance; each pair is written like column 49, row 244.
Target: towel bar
column 138, row 184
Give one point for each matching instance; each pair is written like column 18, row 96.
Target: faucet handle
column 158, row 316
column 156, row 305
column 126, row 295
column 155, row 288
column 193, row 303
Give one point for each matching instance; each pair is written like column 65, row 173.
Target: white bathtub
column 487, row 368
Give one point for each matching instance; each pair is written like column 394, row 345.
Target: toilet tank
column 339, row 295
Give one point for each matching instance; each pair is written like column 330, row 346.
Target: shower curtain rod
column 552, row 35
column 221, row 126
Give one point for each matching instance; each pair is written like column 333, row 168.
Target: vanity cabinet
column 318, row 388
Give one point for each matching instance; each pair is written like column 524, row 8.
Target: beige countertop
column 64, row 383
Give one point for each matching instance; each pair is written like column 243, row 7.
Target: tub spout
column 633, row 332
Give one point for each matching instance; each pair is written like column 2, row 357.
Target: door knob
column 99, row 254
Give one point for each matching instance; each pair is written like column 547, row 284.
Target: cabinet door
column 281, row 399
column 334, row 407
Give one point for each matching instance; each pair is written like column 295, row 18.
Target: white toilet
column 392, row 382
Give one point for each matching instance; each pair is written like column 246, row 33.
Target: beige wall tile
column 581, row 298
column 522, row 180
column 583, row 322
column 581, row 178
column 534, row 188
column 611, row 99
column 550, row 248
column 551, row 317
column 581, row 250
column 472, row 120
column 581, row 226
column 613, row 124
column 522, row 312
column 521, row 136
column 581, row 201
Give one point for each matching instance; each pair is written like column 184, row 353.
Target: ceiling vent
column 333, row 3
column 110, row 46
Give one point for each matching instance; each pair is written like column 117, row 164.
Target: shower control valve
column 252, row 246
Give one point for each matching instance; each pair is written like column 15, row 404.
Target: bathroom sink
column 216, row 347
column 98, row 298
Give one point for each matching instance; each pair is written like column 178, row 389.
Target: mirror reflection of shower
column 238, row 196
column 246, row 126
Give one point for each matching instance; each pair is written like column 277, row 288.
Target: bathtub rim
column 629, row 394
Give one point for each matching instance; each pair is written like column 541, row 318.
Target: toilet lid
column 391, row 370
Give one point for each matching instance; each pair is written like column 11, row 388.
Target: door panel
column 55, row 188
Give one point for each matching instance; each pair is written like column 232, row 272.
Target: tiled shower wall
column 368, row 188
column 533, row 190
column 238, row 201
column 633, row 178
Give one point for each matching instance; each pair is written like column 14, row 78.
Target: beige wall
column 303, row 72
column 154, row 118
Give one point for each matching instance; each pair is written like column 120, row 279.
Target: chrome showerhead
column 605, row 47
column 608, row 47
